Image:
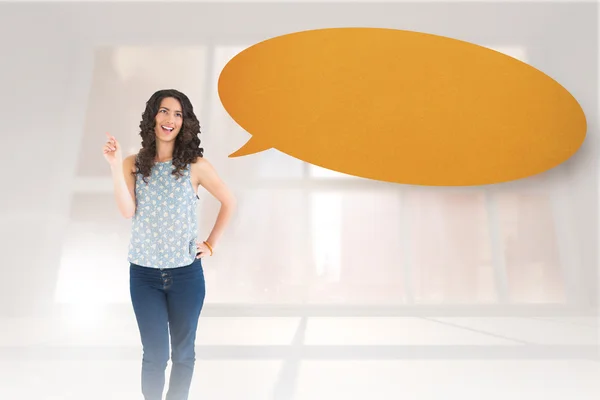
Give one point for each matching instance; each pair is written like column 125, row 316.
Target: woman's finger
column 111, row 139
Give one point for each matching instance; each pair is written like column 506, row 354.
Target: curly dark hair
column 187, row 143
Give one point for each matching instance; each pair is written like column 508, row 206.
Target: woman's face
column 168, row 119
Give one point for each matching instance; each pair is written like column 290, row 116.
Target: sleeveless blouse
column 165, row 225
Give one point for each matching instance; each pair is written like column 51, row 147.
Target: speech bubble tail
column 252, row 146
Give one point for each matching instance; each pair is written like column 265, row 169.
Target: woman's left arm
column 208, row 178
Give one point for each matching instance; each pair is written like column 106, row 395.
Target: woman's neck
column 163, row 153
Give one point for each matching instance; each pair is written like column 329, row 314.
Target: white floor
column 295, row 358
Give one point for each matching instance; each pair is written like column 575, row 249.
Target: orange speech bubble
column 401, row 106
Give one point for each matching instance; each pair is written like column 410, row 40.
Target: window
column 304, row 234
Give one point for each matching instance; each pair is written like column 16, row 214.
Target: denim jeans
column 167, row 302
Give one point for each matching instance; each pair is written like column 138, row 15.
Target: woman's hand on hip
column 202, row 250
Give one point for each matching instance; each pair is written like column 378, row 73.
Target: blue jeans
column 167, row 301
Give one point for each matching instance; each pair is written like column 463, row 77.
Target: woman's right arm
column 124, row 186
column 122, row 176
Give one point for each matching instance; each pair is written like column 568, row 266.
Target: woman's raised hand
column 112, row 151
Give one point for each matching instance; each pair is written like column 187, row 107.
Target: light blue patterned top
column 165, row 225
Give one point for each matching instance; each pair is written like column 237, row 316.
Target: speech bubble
column 400, row 106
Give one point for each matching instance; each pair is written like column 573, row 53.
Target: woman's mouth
column 166, row 129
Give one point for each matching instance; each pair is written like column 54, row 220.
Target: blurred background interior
column 324, row 285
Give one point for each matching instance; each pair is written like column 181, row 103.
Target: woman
column 157, row 189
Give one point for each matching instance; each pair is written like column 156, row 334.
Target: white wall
column 40, row 141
